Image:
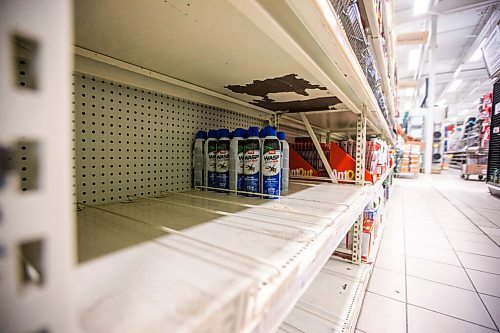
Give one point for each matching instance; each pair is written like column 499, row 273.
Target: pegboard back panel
column 135, row 142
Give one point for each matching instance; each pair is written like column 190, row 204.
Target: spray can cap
column 239, row 133
column 253, row 131
column 223, row 133
column 281, row 135
column 201, row 135
column 270, row 131
column 212, row 134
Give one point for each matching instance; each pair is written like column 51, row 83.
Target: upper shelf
column 289, row 56
column 383, row 55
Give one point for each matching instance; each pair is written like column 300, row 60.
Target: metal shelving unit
column 152, row 252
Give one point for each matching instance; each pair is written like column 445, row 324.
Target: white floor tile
column 479, row 262
column 388, row 283
column 394, row 233
column 493, row 305
column 486, row 283
column 382, row 315
column 448, row 300
column 468, row 236
column 461, row 226
column 490, row 249
column 492, row 216
column 394, row 245
column 492, row 231
column 432, row 253
column 430, row 240
column 482, row 222
column 419, row 220
column 422, row 320
column 443, row 273
column 390, row 260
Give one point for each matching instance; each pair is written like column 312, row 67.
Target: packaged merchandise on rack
column 410, row 160
column 242, row 161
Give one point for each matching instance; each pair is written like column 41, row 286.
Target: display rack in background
column 437, row 149
column 493, row 172
column 305, row 160
column 410, row 160
column 471, row 137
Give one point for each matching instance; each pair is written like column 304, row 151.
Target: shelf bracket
column 325, row 161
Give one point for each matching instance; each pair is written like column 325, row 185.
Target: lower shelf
column 333, row 301
column 237, row 264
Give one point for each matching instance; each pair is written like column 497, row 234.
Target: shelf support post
column 360, row 149
column 357, row 230
column 325, row 161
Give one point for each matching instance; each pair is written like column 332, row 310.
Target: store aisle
column 438, row 268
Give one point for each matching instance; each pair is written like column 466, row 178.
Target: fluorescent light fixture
column 477, row 53
column 413, row 59
column 420, row 7
column 442, row 102
column 454, row 85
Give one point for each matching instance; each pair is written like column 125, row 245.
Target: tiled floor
column 438, row 268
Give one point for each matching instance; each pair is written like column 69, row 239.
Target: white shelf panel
column 332, row 302
column 252, row 271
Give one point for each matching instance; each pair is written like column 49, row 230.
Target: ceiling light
column 442, row 102
column 477, row 53
column 454, row 85
column 413, row 59
column 420, row 7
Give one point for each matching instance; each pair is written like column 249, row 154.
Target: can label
column 240, row 184
column 271, row 167
column 252, row 169
column 212, row 159
column 222, row 168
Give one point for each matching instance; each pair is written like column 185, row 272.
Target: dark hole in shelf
column 25, row 62
column 31, row 263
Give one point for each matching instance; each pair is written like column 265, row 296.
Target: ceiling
column 461, row 26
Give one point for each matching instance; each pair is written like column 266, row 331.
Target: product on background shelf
column 222, row 160
column 410, row 160
column 199, row 159
column 236, row 151
column 271, row 163
column 285, row 162
column 252, row 157
column 210, row 159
